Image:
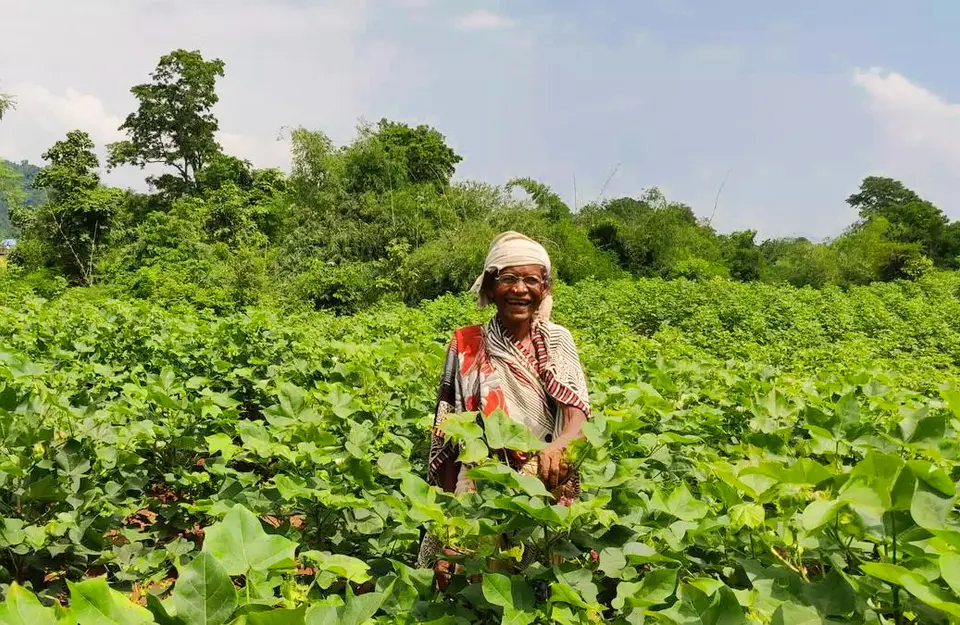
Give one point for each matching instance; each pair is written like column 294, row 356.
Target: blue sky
column 791, row 103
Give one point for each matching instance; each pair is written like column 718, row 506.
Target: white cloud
column 71, row 110
column 918, row 132
column 911, row 116
column 287, row 63
column 481, row 19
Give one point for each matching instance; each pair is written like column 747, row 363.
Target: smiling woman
column 519, row 363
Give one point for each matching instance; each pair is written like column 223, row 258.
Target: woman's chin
column 512, row 315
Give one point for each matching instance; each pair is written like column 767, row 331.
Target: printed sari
column 485, row 370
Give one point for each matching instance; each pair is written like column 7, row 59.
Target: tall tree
column 393, row 155
column 912, row 219
column 78, row 215
column 545, row 198
column 877, row 195
column 423, row 150
column 174, row 124
column 7, row 103
column 10, row 193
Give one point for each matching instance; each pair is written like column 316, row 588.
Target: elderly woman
column 518, row 362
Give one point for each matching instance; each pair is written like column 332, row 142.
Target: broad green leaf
column 204, row 594
column 474, row 451
column 222, row 444
column 612, row 562
column 833, row 595
column 514, row 595
column 93, row 602
column 919, row 426
column 11, row 532
column 697, row 608
column 794, row 614
column 502, row 474
column 848, row 409
column 462, row 427
column 393, row 465
column 933, row 477
column 22, row 607
column 564, row 593
column 930, row 508
column 160, row 613
column 749, row 515
column 355, row 611
column 348, row 568
column 891, row 573
column 505, row 433
column 241, row 544
column 819, row 513
column 683, row 505
column 278, row 617
column 950, row 571
column 654, row 589
column 933, row 596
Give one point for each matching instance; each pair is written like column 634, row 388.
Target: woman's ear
column 489, row 285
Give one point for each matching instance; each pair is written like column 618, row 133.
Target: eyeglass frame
column 543, row 281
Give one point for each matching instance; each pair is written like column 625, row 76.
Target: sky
column 778, row 108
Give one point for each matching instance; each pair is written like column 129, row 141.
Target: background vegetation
column 382, row 218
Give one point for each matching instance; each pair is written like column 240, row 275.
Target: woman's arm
column 443, row 465
column 552, row 467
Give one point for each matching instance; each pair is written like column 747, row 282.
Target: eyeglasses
column 509, row 280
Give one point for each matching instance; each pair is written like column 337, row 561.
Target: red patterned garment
column 486, row 370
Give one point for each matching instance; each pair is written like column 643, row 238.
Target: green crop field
column 758, row 454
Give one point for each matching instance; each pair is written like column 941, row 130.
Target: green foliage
column 7, row 104
column 379, row 219
column 654, row 237
column 757, row 454
column 741, row 255
column 911, row 219
column 174, row 124
column 409, row 155
column 64, row 232
column 16, row 191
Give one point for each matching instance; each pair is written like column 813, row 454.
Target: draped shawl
column 486, row 370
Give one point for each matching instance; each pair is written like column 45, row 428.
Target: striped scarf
column 486, row 370
column 537, row 384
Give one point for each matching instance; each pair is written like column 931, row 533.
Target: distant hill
column 27, row 171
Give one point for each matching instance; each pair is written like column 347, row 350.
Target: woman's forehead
column 524, row 270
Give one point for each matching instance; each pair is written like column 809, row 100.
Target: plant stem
column 897, row 616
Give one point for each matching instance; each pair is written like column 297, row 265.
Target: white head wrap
column 512, row 249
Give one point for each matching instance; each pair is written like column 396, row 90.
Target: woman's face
column 518, row 292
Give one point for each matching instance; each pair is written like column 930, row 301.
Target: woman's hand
column 553, row 468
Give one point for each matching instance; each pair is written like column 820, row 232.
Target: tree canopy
column 381, row 217
column 174, row 124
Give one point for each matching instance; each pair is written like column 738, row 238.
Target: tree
column 423, row 151
column 79, row 212
column 174, row 124
column 394, row 155
column 741, row 254
column 878, row 194
column 543, row 196
column 7, row 103
column 911, row 218
column 72, row 169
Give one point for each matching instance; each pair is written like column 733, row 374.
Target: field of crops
column 758, row 454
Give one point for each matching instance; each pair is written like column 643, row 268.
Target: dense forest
column 382, row 218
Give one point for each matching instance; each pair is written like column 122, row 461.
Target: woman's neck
column 519, row 330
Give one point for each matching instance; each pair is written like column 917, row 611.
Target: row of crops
column 758, row 454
